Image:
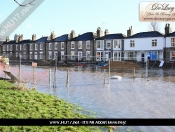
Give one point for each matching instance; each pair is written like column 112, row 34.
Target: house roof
column 171, row 35
column 60, row 38
column 112, row 36
column 84, row 37
column 10, row 42
column 25, row 41
column 42, row 39
column 147, row 34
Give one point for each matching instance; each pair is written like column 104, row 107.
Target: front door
column 142, row 57
column 79, row 56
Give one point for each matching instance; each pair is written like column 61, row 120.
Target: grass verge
column 30, row 104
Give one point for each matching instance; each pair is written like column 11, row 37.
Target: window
column 117, row 56
column 24, row 55
column 56, row 45
column 172, row 56
column 173, row 42
column 16, row 47
column 117, row 44
column 10, row 47
column 62, row 45
column 79, row 55
column 7, row 47
column 55, row 55
column 35, row 56
column 41, row 55
column 154, row 42
column 31, row 47
column 108, row 45
column 50, row 55
column 72, row 45
column 72, row 55
column 87, row 44
column 41, row 46
column 88, row 54
column 24, row 47
column 17, row 54
column 4, row 48
column 36, row 46
column 132, row 44
column 62, row 55
column 50, row 46
column 80, row 45
column 99, row 56
column 99, row 44
column 130, row 55
column 31, row 55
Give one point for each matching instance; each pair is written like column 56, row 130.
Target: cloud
column 0, row 15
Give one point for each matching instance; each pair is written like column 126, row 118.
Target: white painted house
column 142, row 45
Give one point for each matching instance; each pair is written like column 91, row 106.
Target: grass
column 18, row 103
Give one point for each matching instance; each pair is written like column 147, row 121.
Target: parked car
column 102, row 64
column 78, row 64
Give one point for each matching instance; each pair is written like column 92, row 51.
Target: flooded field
column 125, row 98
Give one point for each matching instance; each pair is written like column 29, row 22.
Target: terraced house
column 37, row 50
column 81, row 48
column 94, row 47
column 109, row 46
column 56, row 47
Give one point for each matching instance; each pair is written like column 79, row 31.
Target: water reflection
column 123, row 98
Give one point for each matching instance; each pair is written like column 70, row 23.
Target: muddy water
column 126, row 98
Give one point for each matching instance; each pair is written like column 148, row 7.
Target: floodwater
column 129, row 97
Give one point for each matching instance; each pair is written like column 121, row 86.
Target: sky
column 62, row 16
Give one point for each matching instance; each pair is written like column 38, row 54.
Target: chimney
column 34, row 37
column 7, row 39
column 167, row 29
column 72, row 34
column 16, row 37
column 129, row 32
column 20, row 38
column 52, row 36
column 99, row 32
column 106, row 32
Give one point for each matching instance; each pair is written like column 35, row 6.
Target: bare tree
column 154, row 26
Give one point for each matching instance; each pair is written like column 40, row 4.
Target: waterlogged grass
column 30, row 104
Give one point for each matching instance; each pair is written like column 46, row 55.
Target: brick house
column 81, row 48
column 57, row 46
